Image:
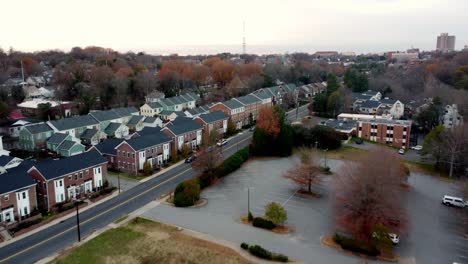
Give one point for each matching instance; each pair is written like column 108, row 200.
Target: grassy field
column 345, row 153
column 145, row 241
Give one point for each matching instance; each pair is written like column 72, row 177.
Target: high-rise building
column 445, row 43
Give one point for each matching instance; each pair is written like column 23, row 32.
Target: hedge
column 260, row 252
column 263, row 223
column 234, row 162
column 355, row 246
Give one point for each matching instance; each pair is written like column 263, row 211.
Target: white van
column 453, row 201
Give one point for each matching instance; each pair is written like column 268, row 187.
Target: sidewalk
column 58, row 220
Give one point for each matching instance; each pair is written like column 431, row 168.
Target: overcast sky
column 208, row 26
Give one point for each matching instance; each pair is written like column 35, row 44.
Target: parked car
column 453, row 201
column 222, row 142
column 401, row 152
column 394, row 238
column 359, row 141
column 417, row 147
column 252, row 128
column 189, row 159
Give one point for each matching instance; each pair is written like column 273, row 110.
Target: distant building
column 404, row 56
column 154, row 96
column 445, row 43
column 326, row 54
column 395, row 133
column 451, row 117
column 412, row 50
column 465, row 48
column 58, row 108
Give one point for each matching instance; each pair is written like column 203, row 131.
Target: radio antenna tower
column 243, row 38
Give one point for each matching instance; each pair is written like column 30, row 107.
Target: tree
column 44, row 111
column 187, row 193
column 319, row 105
column 234, row 88
column 4, row 110
column 455, row 141
column 17, row 94
column 356, row 81
column 185, row 151
column 222, row 72
column 368, row 193
column 275, row 213
column 147, row 168
column 209, row 157
column 307, row 173
column 268, row 121
column 433, row 144
column 231, row 128
column 174, row 155
column 335, row 103
column 332, row 83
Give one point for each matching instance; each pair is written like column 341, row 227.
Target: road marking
column 106, row 211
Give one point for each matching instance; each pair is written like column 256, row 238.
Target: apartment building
column 395, row 133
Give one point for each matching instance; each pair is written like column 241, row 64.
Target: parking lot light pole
column 325, row 154
column 118, row 179
column 248, row 199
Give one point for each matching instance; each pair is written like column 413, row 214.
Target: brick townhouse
column 184, row 131
column 108, row 151
column 395, row 133
column 153, row 148
column 17, row 194
column 252, row 105
column 232, row 108
column 63, row 180
column 213, row 121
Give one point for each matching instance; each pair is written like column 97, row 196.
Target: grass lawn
column 345, row 153
column 145, row 241
column 126, row 176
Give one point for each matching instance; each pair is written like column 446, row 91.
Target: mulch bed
column 280, row 229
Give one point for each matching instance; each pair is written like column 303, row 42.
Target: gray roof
column 388, row 101
column 232, row 104
column 38, row 128
column 52, row 169
column 16, row 178
column 134, row 120
column 149, row 140
column 262, row 94
column 345, row 125
column 57, row 138
column 104, row 115
column 361, row 96
column 199, row 110
column 5, row 159
column 185, row 98
column 108, row 146
column 166, row 113
column 248, row 99
column 149, row 120
column 66, row 145
column 148, row 131
column 111, row 128
column 213, row 116
column 386, row 121
column 89, row 133
column 125, row 111
column 182, row 125
column 155, row 105
column 370, row 104
column 74, row 122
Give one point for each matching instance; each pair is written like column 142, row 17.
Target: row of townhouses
column 371, row 102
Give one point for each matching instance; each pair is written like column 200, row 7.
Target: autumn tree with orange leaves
column 268, row 121
column 369, row 194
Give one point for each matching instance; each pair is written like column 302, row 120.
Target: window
column 404, row 136
column 87, row 172
column 360, row 128
column 25, row 210
column 81, row 175
column 128, row 154
column 373, row 134
column 24, row 195
column 390, row 128
column 404, row 128
column 6, row 197
column 76, row 177
column 133, row 155
column 389, row 135
column 69, row 177
column 61, row 183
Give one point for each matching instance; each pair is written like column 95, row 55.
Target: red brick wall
column 12, row 202
column 124, row 162
column 382, row 134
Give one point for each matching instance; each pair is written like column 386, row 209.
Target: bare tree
column 455, row 142
column 307, row 173
column 209, row 156
column 368, row 193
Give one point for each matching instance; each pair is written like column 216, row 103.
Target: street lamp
column 76, row 201
column 118, row 178
column 248, row 199
column 325, row 155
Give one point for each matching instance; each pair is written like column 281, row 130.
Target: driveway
column 431, row 237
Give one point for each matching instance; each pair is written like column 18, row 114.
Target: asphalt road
column 60, row 236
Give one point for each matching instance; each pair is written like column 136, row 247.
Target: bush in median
column 263, row 223
column 260, row 252
column 355, row 246
column 244, row 246
column 187, row 193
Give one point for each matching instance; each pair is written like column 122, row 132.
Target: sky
column 212, row 26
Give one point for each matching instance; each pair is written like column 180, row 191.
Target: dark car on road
column 189, row 159
column 359, row 141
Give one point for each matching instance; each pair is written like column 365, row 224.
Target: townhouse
column 213, row 121
column 154, row 96
column 108, row 151
column 265, row 97
column 125, row 113
column 179, row 103
column 132, row 154
column 252, row 105
column 8, row 162
column 92, row 136
column 17, row 194
column 197, row 111
column 151, row 109
column 232, row 108
column 135, row 123
column 62, row 180
column 395, row 133
column 184, row 131
column 392, row 107
column 116, row 130
column 34, row 136
column 74, row 126
column 152, row 122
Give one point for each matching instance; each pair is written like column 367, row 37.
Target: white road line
column 462, row 256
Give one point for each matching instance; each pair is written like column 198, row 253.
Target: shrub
column 147, row 168
column 275, row 213
column 244, row 246
column 356, row 246
column 187, row 193
column 280, row 258
column 250, row 217
column 263, row 223
column 260, row 252
column 234, row 162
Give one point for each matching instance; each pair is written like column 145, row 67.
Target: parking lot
column 432, row 237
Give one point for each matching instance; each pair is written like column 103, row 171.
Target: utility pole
column 248, row 200
column 22, row 70
column 78, row 221
column 118, row 179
